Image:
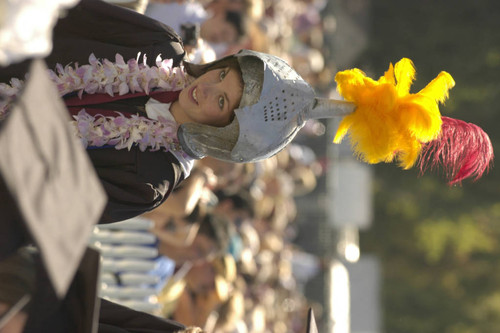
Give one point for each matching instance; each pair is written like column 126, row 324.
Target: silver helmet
column 275, row 105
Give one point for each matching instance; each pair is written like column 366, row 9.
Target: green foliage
column 462, row 238
column 439, row 245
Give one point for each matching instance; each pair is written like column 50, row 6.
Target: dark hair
column 217, row 228
column 241, row 201
column 239, row 21
column 231, row 62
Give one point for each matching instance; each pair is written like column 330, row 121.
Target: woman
column 137, row 181
column 256, row 103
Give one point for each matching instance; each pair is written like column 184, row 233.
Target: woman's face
column 210, row 99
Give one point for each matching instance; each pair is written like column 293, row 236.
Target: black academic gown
column 114, row 318
column 135, row 181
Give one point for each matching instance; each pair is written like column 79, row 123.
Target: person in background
column 211, row 241
column 192, row 22
column 177, row 220
column 208, row 285
column 212, row 238
column 238, row 207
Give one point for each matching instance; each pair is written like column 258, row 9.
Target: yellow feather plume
column 390, row 123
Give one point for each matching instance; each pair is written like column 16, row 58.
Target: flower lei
column 123, row 132
column 120, row 78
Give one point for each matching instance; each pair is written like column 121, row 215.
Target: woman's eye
column 221, row 102
column 222, row 75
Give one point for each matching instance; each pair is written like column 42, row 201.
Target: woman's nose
column 208, row 90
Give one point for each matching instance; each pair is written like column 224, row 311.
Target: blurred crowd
column 228, row 231
column 211, row 29
column 227, row 234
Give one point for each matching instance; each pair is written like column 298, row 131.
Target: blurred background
column 438, row 245
column 369, row 248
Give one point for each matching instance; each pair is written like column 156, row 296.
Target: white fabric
column 220, row 49
column 175, row 14
column 132, row 270
column 26, row 28
column 52, row 168
column 154, row 109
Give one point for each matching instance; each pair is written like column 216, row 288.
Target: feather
column 462, row 149
column 404, row 72
column 438, row 88
column 389, row 122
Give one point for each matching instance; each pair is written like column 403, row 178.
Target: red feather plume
column 462, row 149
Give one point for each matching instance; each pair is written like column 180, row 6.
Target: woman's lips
column 193, row 95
